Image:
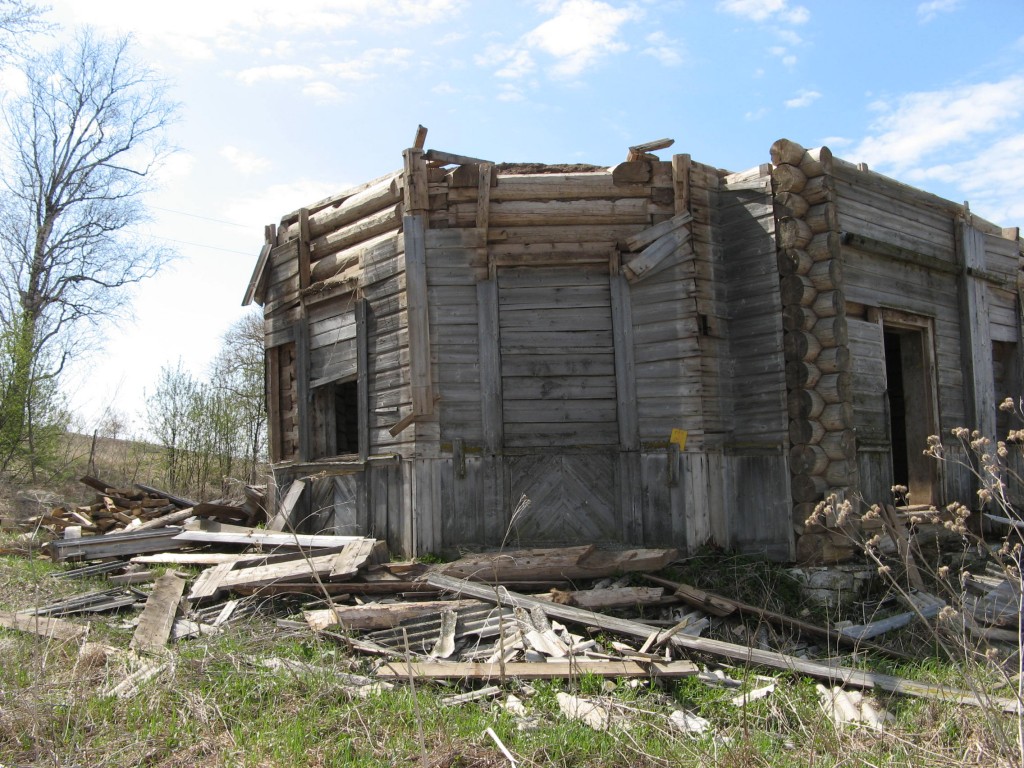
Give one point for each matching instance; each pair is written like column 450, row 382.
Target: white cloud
column 968, row 138
column 788, row 59
column 765, row 10
column 518, row 64
column 175, row 168
column 836, row 141
column 367, row 65
column 664, row 49
column 200, row 28
column 804, row 99
column 323, row 93
column 276, row 72
column 929, row 10
column 509, row 92
column 919, row 124
column 576, row 37
column 244, row 162
column 580, row 33
column 444, row 89
column 281, row 49
column 992, row 179
column 754, row 115
column 274, row 201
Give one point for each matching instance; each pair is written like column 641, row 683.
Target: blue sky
column 287, row 103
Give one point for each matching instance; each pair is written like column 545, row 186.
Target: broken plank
column 284, row 512
column 357, row 555
column 58, row 629
column 615, row 597
column 704, row 600
column 212, row 532
column 560, row 563
column 373, row 616
column 157, row 617
column 526, row 670
column 118, row 545
column 194, row 558
column 649, row 235
column 836, row 674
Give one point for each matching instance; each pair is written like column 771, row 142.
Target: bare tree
column 238, row 371
column 82, row 143
column 18, row 19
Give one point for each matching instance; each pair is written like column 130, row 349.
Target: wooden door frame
column 895, row 320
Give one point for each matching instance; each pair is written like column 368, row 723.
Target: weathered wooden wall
column 915, row 262
column 495, row 335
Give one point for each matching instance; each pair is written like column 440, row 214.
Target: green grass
column 218, row 705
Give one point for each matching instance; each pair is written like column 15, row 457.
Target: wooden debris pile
column 136, row 508
column 480, row 620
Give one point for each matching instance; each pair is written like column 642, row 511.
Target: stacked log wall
column 818, row 381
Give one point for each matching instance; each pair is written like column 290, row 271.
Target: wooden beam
column 418, row 314
column 304, row 241
column 625, row 368
column 681, row 182
column 362, row 310
column 212, row 532
column 489, row 346
column 258, row 276
column 719, row 605
column 417, row 191
column 302, row 387
column 638, row 151
column 975, row 334
column 483, row 197
column 421, row 137
column 527, row 670
column 647, row 236
column 284, row 511
column 448, row 158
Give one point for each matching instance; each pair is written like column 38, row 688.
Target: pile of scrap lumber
column 136, row 508
column 484, row 618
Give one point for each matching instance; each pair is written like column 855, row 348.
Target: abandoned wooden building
column 464, row 353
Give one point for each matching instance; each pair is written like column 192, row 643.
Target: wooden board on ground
column 58, row 629
column 562, row 563
column 374, row 616
column 212, row 532
column 526, row 670
column 836, row 674
column 157, row 617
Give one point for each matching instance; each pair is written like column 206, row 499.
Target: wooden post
column 975, row 337
column 419, row 323
column 625, row 376
column 304, row 239
column 483, row 198
column 302, row 392
column 492, row 466
column 362, row 378
column 417, row 192
column 490, row 366
column 630, row 486
column 681, row 182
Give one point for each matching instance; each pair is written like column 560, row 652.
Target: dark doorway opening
column 346, row 416
column 909, row 392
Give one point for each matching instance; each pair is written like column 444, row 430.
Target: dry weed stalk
column 994, row 466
